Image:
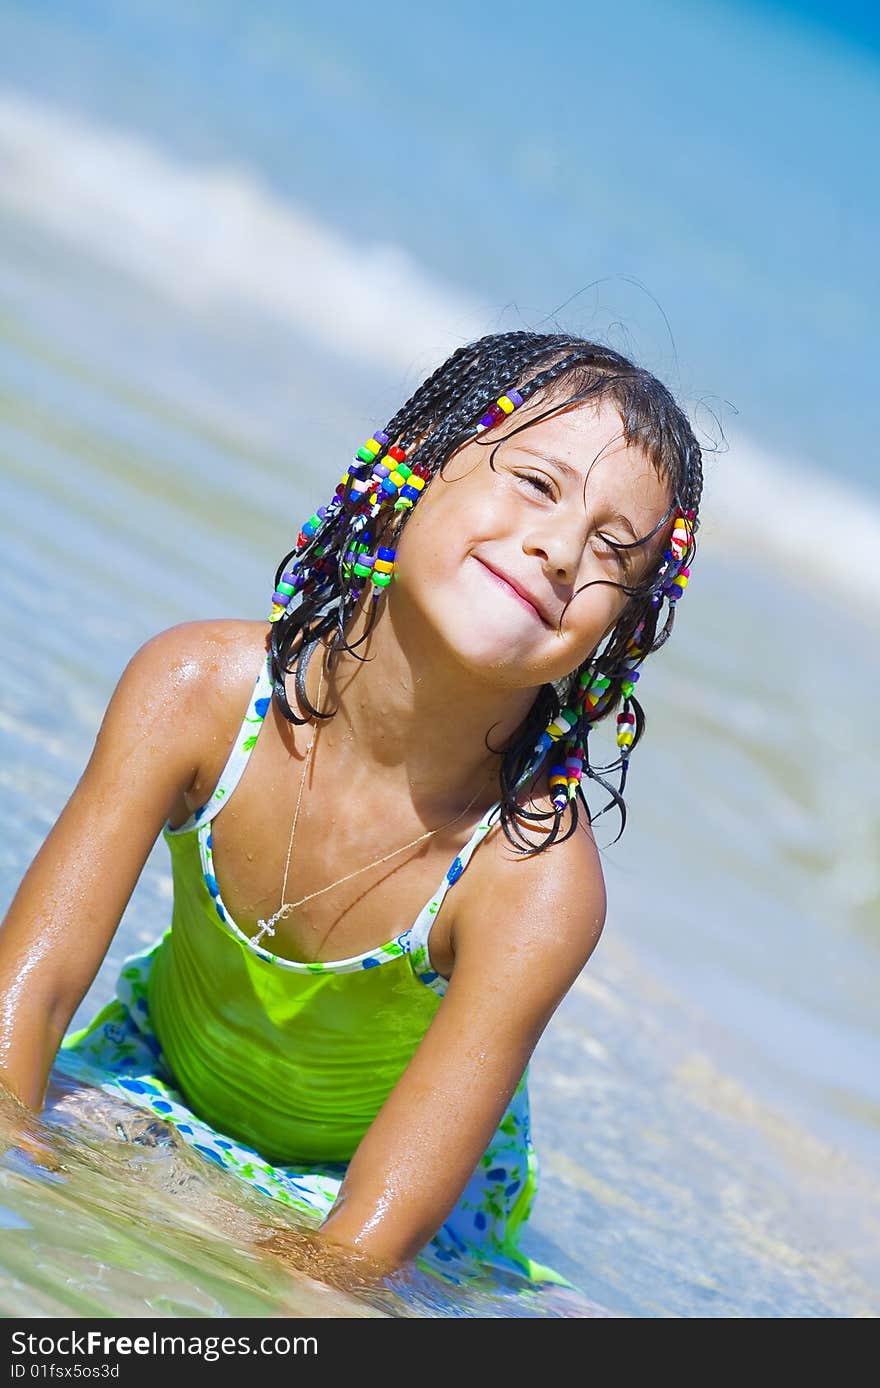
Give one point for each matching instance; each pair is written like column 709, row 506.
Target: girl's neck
column 412, row 720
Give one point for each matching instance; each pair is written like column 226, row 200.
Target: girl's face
column 535, row 524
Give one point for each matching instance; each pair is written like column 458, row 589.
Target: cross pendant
column 263, row 928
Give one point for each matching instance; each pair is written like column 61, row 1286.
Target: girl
column 479, row 592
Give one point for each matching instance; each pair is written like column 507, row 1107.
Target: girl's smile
column 516, row 589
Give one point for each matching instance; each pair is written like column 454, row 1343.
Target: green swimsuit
column 275, row 1069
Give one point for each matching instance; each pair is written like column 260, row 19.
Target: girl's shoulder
column 212, row 662
column 551, row 903
column 205, row 670
column 209, row 638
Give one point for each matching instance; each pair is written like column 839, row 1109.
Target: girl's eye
column 538, row 481
column 612, row 547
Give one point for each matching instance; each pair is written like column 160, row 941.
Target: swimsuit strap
column 242, row 747
column 420, row 930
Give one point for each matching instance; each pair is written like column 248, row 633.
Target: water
column 173, row 400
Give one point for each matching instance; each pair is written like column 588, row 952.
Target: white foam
column 206, row 237
column 820, row 529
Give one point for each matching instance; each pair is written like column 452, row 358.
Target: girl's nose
column 559, row 546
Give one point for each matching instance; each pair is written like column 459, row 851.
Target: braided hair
column 439, row 417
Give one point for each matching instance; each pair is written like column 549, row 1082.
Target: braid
column 434, row 422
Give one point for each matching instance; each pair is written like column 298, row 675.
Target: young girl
column 492, row 571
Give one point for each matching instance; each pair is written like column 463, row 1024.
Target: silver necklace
column 267, row 927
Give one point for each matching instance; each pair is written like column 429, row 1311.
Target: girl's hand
column 346, row 1269
column 20, row 1128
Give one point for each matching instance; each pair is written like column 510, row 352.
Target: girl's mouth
column 512, row 591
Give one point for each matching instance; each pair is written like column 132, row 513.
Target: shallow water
column 706, row 1101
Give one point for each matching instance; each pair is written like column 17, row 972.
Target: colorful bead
column 500, row 409
column 493, row 415
column 626, row 723
column 381, row 580
column 680, row 541
column 382, row 566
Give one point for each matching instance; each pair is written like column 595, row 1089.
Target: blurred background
column 233, row 239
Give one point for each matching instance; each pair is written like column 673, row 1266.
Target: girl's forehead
column 578, row 433
column 585, row 444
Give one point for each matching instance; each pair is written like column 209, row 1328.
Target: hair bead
column 672, row 577
column 500, row 409
column 626, row 723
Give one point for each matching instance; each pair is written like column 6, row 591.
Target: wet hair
column 555, row 369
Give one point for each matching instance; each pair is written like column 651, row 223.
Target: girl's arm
column 64, row 915
column 517, row 952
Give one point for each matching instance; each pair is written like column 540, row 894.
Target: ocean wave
column 215, row 237
column 208, row 236
column 819, row 529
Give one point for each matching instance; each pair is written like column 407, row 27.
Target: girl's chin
column 496, row 655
